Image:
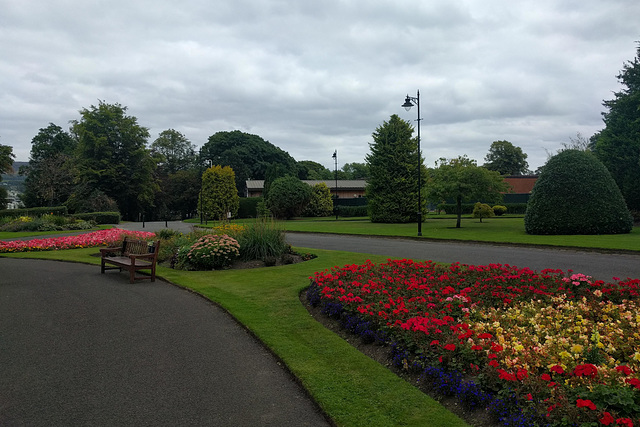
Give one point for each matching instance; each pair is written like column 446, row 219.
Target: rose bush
column 558, row 349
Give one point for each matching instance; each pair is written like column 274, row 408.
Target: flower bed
column 535, row 348
column 97, row 238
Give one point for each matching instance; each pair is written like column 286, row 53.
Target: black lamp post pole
column 335, row 161
column 408, row 103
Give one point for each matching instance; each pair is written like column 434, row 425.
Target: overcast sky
column 312, row 77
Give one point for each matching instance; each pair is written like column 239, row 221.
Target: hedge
column 35, row 212
column 467, row 208
column 249, row 207
column 100, row 217
column 351, row 211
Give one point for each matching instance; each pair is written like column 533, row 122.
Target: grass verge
column 351, row 388
column 494, row 230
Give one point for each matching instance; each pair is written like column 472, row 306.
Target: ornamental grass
column 97, row 238
column 535, row 348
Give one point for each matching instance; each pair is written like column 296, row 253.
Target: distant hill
column 14, row 181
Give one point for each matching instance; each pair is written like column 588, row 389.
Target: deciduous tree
column 112, row 157
column 507, row 159
column 462, row 180
column 288, row 196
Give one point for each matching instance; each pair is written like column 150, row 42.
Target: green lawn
column 352, row 389
column 496, row 230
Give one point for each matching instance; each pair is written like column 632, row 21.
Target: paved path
column 81, row 348
column 603, row 266
column 600, row 265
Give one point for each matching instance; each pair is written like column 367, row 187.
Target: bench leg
column 102, row 266
column 132, row 275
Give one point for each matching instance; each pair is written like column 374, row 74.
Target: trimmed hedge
column 575, row 194
column 34, row 212
column 467, row 208
column 100, row 217
column 351, row 211
column 249, row 207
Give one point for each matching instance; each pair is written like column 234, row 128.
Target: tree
column 248, row 155
column 618, row 144
column 6, row 166
column 462, row 180
column 112, row 157
column 308, row 169
column 50, row 174
column 174, row 152
column 506, row 159
column 482, row 210
column 288, row 197
column 575, row 194
column 356, row 170
column 219, row 195
column 321, row 203
column 392, row 188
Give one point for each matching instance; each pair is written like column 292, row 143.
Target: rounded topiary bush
column 575, row 194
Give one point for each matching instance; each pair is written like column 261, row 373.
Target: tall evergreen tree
column 6, row 165
column 618, row 144
column 113, row 158
column 219, row 195
column 392, row 187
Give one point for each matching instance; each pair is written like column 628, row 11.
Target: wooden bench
column 132, row 256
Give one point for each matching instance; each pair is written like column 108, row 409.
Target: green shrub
column 288, row 196
column 249, row 207
column 320, row 203
column 575, row 194
column 261, row 239
column 482, row 210
column 351, row 211
column 100, row 217
column 34, row 212
column 499, row 210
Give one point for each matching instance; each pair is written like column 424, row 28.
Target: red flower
column 522, row 374
column 607, row 419
column 494, row 363
column 634, row 382
column 496, row 347
column 504, row 375
column 485, row 336
column 624, row 369
column 545, row 377
column 587, row 370
column 585, row 403
column 450, row 347
column 557, row 369
column 624, row 422
column 435, row 342
column 476, row 347
column 529, row 396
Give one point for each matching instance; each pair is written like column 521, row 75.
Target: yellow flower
column 636, row 356
column 565, row 355
column 577, row 348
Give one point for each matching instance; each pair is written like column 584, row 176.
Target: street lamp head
column 407, row 103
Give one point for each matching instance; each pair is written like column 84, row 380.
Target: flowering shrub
column 97, row 238
column 209, row 252
column 558, row 350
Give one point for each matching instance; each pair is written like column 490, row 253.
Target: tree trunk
column 459, row 210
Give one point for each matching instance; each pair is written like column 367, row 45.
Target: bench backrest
column 138, row 247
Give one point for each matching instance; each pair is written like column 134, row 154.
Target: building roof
column 521, row 183
column 343, row 184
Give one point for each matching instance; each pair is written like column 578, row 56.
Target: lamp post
column 335, row 196
column 409, row 102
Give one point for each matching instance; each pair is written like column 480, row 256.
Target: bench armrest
column 104, row 251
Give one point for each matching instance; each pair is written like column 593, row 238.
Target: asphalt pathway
column 80, row 348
